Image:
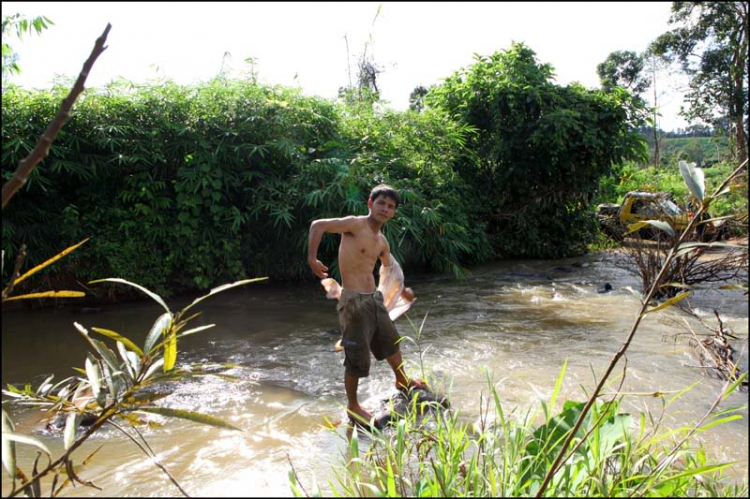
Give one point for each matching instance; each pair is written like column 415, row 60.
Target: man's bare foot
column 358, row 415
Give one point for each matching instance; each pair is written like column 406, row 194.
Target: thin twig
column 42, row 146
column 626, row 344
column 296, row 477
column 106, row 413
column 16, row 271
column 150, row 453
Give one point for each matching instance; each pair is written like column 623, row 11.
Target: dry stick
column 604, row 413
column 16, row 272
column 296, row 477
column 557, row 463
column 106, row 413
column 42, row 146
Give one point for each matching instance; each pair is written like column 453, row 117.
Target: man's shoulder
column 359, row 220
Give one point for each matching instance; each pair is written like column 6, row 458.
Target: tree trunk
column 656, row 124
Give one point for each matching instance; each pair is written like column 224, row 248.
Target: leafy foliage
column 18, row 25
column 538, row 151
column 710, row 40
column 111, row 388
column 506, row 454
column 623, row 68
column 186, row 187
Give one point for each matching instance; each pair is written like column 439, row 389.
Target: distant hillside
column 704, row 151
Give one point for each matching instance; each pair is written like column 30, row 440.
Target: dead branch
column 42, row 146
column 16, row 272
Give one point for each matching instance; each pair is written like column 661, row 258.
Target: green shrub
column 539, row 149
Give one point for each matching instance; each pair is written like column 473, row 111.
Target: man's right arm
column 317, row 229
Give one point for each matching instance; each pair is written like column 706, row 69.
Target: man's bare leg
column 403, row 381
column 350, row 384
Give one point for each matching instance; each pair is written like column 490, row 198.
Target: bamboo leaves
column 113, row 387
column 220, row 289
column 694, row 179
column 152, row 295
column 50, row 261
column 9, row 447
column 189, row 415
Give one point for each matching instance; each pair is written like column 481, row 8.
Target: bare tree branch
column 42, row 146
column 16, row 272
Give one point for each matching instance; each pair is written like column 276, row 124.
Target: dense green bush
column 185, row 187
column 539, row 149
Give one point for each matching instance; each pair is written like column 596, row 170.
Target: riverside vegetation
column 220, row 180
column 589, row 449
column 500, row 162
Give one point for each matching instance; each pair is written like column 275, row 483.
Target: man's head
column 387, row 191
column 383, row 202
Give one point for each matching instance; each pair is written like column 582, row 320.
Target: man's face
column 382, row 208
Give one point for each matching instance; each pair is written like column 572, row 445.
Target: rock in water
column 402, row 401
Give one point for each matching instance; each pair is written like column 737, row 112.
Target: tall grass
column 437, row 452
column 616, row 454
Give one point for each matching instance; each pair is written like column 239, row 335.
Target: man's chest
column 362, row 245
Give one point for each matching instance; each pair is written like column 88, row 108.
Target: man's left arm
column 385, row 254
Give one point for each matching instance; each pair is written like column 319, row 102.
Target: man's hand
column 318, row 268
column 408, row 294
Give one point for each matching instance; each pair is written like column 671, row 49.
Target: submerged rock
column 401, row 402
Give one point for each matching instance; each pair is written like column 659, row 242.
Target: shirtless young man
column 364, row 318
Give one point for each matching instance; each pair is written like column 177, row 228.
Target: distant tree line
column 186, row 187
column 709, row 44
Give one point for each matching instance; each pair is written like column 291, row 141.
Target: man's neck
column 373, row 224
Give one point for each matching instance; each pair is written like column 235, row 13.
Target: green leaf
column 105, row 353
column 162, row 323
column 118, row 337
column 48, row 294
column 694, row 179
column 663, row 226
column 170, row 352
column 741, row 287
column 189, row 415
column 49, row 262
column 220, row 289
column 153, row 368
column 731, row 388
column 94, row 375
column 71, row 423
column 696, row 471
column 9, row 447
column 688, row 247
column 721, row 421
column 25, row 439
column 669, row 303
column 558, row 385
column 153, row 295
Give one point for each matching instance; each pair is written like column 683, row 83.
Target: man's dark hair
column 387, row 191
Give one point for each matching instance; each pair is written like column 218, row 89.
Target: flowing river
column 516, row 321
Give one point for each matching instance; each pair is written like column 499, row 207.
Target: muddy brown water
column 516, row 320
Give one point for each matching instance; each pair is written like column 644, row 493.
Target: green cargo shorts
column 367, row 327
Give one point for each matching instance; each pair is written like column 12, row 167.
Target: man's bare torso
column 359, row 250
